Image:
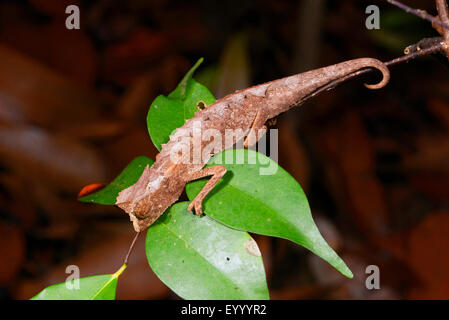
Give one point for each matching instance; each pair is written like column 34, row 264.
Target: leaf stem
column 131, row 247
column 120, row 271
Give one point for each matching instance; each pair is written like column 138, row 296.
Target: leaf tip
column 341, row 266
column 347, row 273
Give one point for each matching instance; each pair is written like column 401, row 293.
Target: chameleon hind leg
column 217, row 172
column 258, row 129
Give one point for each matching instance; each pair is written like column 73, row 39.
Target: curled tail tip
column 379, row 65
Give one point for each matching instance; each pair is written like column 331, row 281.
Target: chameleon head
column 147, row 199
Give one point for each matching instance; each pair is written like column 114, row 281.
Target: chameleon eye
column 201, row 105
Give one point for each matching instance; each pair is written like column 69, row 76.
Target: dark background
column 73, row 103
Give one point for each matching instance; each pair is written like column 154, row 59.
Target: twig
column 420, row 13
column 423, row 44
column 131, row 247
column 413, row 55
column 443, row 13
column 422, row 52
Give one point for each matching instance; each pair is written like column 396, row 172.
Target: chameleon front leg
column 257, row 127
column 217, row 172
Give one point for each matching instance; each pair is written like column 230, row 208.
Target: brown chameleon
column 249, row 109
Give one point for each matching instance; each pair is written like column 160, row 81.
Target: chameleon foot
column 196, row 205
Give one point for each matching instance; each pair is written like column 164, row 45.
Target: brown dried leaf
column 351, row 174
column 47, row 98
column 65, row 163
column 424, row 248
column 12, row 251
column 292, row 155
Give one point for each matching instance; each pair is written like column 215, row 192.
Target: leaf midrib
column 284, row 220
column 112, row 278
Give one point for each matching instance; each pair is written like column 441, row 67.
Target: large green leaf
column 199, row 258
column 90, row 288
column 273, row 205
column 125, row 179
column 166, row 114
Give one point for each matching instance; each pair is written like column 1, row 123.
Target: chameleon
column 161, row 185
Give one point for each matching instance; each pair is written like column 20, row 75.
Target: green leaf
column 90, row 288
column 166, row 114
column 125, row 179
column 199, row 258
column 273, row 205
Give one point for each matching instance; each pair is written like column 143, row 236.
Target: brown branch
column 424, row 44
column 131, row 247
column 422, row 14
column 443, row 14
column 419, row 53
column 408, row 57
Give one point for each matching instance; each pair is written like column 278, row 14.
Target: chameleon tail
column 382, row 68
